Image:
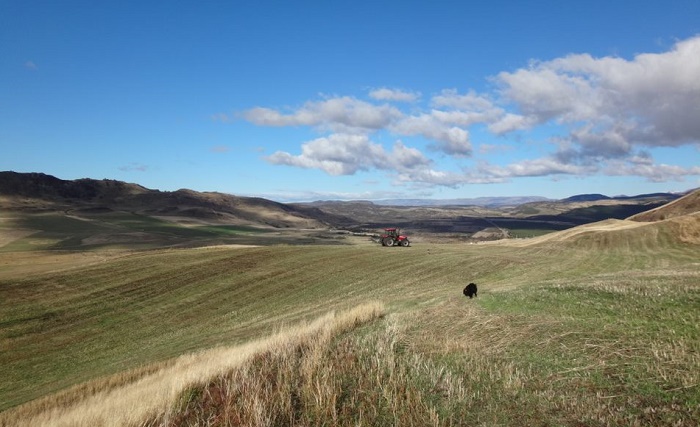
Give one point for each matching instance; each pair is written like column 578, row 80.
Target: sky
column 372, row 100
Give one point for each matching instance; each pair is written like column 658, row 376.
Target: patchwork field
column 597, row 325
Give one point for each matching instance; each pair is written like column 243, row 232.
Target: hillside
column 477, row 223
column 42, row 211
column 565, row 327
column 677, row 221
column 40, row 192
column 688, row 204
column 570, row 330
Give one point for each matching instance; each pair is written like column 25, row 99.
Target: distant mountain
column 50, row 188
column 650, row 196
column 493, row 202
column 586, row 198
column 489, row 202
column 38, row 191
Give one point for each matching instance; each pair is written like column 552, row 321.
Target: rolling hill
column 183, row 336
column 40, row 192
column 688, row 204
column 42, row 211
column 676, row 222
column 592, row 325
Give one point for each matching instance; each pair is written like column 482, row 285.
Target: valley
column 184, row 321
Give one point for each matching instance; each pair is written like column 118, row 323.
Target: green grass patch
column 632, row 345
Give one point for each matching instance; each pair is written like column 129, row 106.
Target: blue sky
column 313, row 100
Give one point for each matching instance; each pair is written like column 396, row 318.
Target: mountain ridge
column 38, row 191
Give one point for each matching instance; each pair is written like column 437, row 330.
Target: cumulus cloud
column 599, row 116
column 545, row 166
column 652, row 172
column 465, row 109
column 452, row 140
column 510, row 122
column 431, row 177
column 345, row 154
column 384, row 94
column 640, row 165
column 336, row 114
column 347, row 115
column 471, row 101
column 651, row 100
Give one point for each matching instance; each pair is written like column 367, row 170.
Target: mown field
column 592, row 328
column 88, row 231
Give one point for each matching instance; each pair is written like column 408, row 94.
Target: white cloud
column 431, row 177
column 536, row 167
column 345, row 154
column 344, row 114
column 467, row 109
column 599, row 116
column 651, row 100
column 510, row 122
column 640, row 165
column 348, row 115
column 384, row 94
column 405, row 158
column 470, row 101
column 544, row 94
column 451, row 140
column 652, row 172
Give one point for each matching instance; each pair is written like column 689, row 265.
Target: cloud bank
column 605, row 117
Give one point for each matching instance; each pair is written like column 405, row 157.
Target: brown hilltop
column 672, row 224
column 686, row 205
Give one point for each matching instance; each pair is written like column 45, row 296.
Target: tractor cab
column 392, row 237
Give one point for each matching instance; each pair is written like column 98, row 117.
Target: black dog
column 470, row 290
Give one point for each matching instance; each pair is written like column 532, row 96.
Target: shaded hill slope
column 41, row 192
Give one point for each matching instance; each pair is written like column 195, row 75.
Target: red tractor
column 394, row 238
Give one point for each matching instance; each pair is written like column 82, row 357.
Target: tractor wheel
column 388, row 241
column 405, row 243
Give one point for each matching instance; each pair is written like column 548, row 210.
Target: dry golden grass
column 130, row 399
column 450, row 363
column 688, row 204
column 610, row 225
column 343, row 380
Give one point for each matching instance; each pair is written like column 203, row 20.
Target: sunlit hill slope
column 594, row 325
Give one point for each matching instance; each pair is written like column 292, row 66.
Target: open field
column 22, row 231
column 590, row 326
